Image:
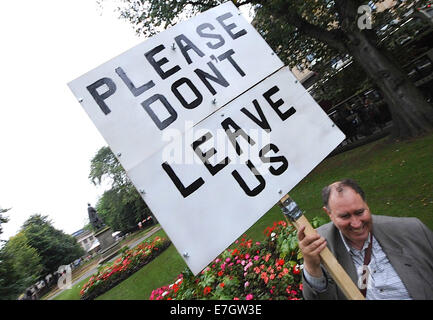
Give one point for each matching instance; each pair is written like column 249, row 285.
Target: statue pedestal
column 109, row 246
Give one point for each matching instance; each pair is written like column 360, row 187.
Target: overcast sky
column 46, row 138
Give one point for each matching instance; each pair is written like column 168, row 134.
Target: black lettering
column 228, row 55
column 160, row 124
column 230, row 26
column 233, row 134
column 185, row 191
column 218, row 78
column 282, row 159
column 262, row 122
column 99, row 98
column 202, row 34
column 277, row 104
column 188, row 46
column 204, row 156
column 134, row 90
column 193, row 104
column 157, row 64
column 244, row 186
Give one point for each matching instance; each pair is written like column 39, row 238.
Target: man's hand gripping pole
column 294, row 214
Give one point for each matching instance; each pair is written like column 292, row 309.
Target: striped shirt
column 383, row 282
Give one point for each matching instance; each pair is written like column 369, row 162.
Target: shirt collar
column 353, row 250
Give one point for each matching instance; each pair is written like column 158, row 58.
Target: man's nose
column 355, row 222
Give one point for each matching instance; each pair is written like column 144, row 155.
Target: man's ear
column 328, row 212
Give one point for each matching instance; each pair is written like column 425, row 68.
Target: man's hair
column 339, row 187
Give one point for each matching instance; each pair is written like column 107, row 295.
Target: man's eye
column 360, row 212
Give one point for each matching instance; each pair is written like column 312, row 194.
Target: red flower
column 175, row 288
column 280, row 262
column 296, row 270
column 207, row 290
column 222, row 285
column 220, row 273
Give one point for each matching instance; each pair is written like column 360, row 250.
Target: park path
column 95, row 268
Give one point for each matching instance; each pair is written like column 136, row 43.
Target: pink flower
column 246, row 284
column 249, row 297
column 228, row 260
column 248, row 265
column 256, row 258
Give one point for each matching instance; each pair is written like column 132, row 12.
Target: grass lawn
column 73, row 293
column 396, row 177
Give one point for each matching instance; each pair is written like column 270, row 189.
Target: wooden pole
column 344, row 282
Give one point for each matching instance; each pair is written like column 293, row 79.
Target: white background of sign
column 210, row 219
column 128, row 127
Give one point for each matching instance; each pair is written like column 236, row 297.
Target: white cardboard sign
column 212, row 183
column 183, row 74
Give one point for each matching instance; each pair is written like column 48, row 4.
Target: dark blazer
column 408, row 244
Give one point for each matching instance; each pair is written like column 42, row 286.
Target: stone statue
column 95, row 220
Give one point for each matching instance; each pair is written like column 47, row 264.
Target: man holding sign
column 391, row 258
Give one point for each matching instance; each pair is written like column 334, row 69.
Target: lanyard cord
column 367, row 259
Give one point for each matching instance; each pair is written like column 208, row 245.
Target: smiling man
column 387, row 257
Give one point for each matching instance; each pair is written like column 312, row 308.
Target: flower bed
column 267, row 270
column 131, row 261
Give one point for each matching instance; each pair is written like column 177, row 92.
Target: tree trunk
column 412, row 115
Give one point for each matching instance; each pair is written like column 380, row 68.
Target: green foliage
column 120, row 211
column 25, row 258
column 3, row 219
column 121, row 207
column 315, row 34
column 11, row 283
column 149, row 17
column 105, row 165
column 20, row 266
column 54, row 247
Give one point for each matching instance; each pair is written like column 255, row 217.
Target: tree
column 3, row 219
column 20, row 266
column 53, row 246
column 121, row 207
column 321, row 28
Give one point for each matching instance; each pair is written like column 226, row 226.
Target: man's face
column 351, row 215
